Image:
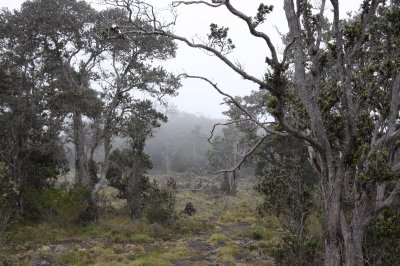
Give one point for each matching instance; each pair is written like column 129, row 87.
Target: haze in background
column 193, row 22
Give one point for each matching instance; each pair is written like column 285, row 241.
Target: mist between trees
column 321, row 134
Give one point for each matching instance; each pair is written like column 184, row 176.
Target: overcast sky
column 193, row 22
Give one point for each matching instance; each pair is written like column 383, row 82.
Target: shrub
column 59, row 206
column 159, row 203
column 296, row 251
column 382, row 243
column 257, row 233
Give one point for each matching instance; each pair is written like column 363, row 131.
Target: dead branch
column 234, row 168
column 223, row 124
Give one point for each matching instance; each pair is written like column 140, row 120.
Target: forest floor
column 225, row 230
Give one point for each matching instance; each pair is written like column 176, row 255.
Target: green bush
column 159, row 203
column 59, row 206
column 382, row 242
column 294, row 250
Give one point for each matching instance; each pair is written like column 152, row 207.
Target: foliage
column 64, row 208
column 287, row 185
column 121, row 165
column 127, row 173
column 382, row 245
column 52, row 54
column 218, row 38
column 159, row 203
column 287, row 253
column 262, row 11
column 29, row 144
column 285, row 191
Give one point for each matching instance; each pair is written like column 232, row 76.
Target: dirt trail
column 207, row 252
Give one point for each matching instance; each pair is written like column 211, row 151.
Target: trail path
column 208, row 252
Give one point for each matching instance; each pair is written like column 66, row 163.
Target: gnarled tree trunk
column 82, row 177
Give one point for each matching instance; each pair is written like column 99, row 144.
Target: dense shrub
column 128, row 173
column 59, row 206
column 159, row 203
column 382, row 245
column 296, row 251
column 288, row 188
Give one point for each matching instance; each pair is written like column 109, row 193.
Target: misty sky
column 193, row 22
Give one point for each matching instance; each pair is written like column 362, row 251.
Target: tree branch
column 252, row 29
column 310, row 104
column 223, row 124
column 389, row 200
column 216, row 3
column 237, row 166
column 238, row 105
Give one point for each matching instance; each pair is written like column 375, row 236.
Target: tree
column 75, row 43
column 62, row 34
column 131, row 57
column 29, row 129
column 129, row 167
column 226, row 152
column 335, row 87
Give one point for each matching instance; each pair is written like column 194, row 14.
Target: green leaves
column 218, row 39
column 262, row 11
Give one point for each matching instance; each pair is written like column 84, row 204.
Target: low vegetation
column 224, row 228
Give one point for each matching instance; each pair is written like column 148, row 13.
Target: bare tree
column 339, row 95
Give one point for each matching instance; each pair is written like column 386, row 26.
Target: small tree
column 128, row 168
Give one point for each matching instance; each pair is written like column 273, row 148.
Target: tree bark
column 353, row 247
column 82, row 177
column 332, row 219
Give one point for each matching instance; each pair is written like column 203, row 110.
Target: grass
column 114, row 239
column 218, row 237
column 76, row 258
column 227, row 254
